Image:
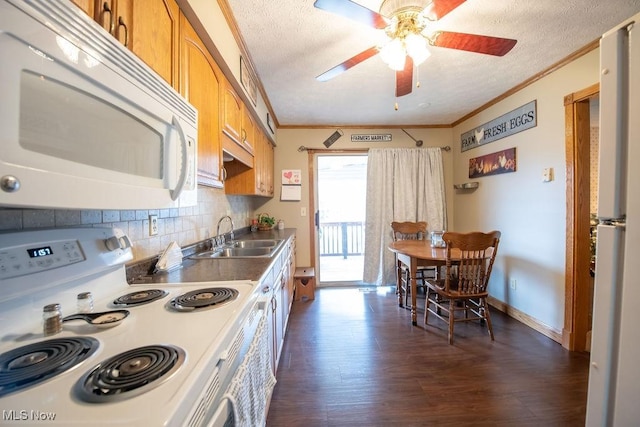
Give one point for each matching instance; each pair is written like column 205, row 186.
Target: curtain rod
column 347, row 150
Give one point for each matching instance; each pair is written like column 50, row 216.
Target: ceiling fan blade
column 439, row 8
column 351, row 62
column 404, row 78
column 354, row 11
column 473, row 43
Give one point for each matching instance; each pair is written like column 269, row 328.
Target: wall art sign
column 270, row 123
column 371, row 138
column 248, row 82
column 493, row 164
column 291, row 185
column 515, row 121
column 291, row 176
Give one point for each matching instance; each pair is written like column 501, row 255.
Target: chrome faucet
column 221, row 242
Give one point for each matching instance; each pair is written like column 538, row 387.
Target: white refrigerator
column 614, row 373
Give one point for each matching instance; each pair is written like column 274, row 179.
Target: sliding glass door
column 341, row 186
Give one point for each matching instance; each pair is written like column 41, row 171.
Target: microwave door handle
column 175, row 193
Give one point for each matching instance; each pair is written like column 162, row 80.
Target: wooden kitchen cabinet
column 275, row 318
column 280, row 299
column 279, row 316
column 255, row 181
column 201, row 82
column 248, row 130
column 267, row 167
column 232, row 134
column 157, row 37
column 88, row 6
column 150, row 29
column 116, row 16
column 288, row 283
column 231, row 113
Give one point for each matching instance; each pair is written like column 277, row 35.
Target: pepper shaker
column 52, row 319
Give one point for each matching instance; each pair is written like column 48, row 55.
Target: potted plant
column 265, row 222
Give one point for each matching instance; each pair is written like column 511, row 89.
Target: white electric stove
column 167, row 363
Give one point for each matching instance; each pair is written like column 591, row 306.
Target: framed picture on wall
column 503, row 161
column 248, row 82
column 270, row 123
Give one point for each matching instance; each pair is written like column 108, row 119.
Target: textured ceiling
column 290, row 42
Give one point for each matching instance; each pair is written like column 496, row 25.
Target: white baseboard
column 531, row 322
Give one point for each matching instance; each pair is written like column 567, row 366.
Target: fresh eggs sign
column 515, row 121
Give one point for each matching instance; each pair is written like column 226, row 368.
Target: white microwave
column 84, row 123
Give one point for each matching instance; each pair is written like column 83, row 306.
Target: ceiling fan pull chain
column 396, row 106
column 417, row 76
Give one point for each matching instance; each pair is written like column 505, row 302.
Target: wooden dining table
column 414, row 253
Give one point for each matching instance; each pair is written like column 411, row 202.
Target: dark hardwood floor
column 352, row 358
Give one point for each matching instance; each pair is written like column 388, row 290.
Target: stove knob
column 118, row 242
column 9, row 184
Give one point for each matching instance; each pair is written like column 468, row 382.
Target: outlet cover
column 153, row 225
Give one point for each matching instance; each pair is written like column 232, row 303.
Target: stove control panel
column 26, row 259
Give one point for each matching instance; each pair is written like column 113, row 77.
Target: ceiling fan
column 406, row 24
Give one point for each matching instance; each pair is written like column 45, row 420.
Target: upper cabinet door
column 232, row 114
column 157, row 37
column 248, row 132
column 115, row 16
column 201, row 84
column 88, row 6
column 149, row 28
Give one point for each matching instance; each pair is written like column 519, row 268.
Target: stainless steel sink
column 242, row 249
column 256, row 243
column 243, row 252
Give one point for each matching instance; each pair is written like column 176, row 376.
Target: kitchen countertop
column 219, row 269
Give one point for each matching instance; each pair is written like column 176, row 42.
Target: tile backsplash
column 184, row 226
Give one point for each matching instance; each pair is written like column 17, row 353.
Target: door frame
column 312, row 192
column 578, row 252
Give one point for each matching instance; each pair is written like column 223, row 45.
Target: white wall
column 531, row 214
column 287, row 156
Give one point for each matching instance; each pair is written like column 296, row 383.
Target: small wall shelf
column 466, row 186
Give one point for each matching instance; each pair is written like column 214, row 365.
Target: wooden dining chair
column 410, row 231
column 463, row 288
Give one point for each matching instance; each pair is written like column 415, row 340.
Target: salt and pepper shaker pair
column 52, row 313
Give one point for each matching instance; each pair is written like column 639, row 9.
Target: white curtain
column 403, row 184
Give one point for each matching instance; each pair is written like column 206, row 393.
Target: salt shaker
column 52, row 319
column 85, row 302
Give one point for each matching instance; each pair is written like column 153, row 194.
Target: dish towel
column 251, row 387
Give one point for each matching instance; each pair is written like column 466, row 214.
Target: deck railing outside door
column 341, row 238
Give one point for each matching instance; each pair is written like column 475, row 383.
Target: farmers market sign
column 371, row 138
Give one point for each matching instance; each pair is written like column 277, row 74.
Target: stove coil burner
column 35, row 363
column 203, row 298
column 130, row 373
column 140, row 297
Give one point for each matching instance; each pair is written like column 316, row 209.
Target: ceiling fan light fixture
column 416, row 46
column 390, row 7
column 394, row 55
